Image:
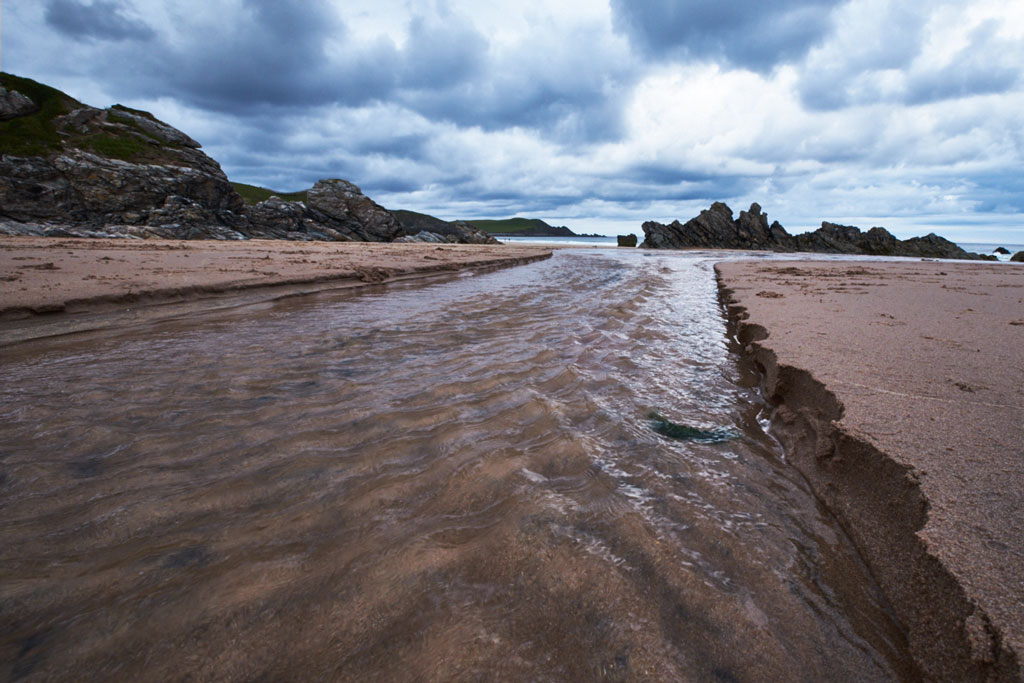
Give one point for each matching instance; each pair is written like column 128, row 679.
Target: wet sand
column 899, row 393
column 41, row 275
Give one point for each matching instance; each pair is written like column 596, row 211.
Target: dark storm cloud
column 266, row 57
column 637, row 184
column 997, row 191
column 565, row 113
column 756, row 34
column 439, row 54
column 98, row 20
column 413, row 146
column 393, row 184
column 660, row 174
column 268, row 54
column 566, row 93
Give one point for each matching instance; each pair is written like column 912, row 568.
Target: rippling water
column 450, row 481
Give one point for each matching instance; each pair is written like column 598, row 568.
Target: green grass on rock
column 253, row 194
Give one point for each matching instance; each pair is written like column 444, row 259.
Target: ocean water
column 985, row 248
column 480, row 478
column 566, row 241
column 980, row 248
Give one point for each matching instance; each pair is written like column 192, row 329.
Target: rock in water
column 1018, row 257
column 1001, row 250
column 626, row 240
column 682, row 432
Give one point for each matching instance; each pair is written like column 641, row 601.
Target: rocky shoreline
column 916, row 452
column 715, row 228
column 71, row 170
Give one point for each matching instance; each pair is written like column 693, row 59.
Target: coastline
column 56, row 285
column 916, row 450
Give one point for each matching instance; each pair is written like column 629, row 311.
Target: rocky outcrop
column 68, row 169
column 1018, row 257
column 88, row 188
column 14, row 104
column 461, row 232
column 626, row 240
column 423, row 236
column 715, row 228
column 335, row 210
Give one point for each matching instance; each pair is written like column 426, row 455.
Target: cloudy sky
column 597, row 114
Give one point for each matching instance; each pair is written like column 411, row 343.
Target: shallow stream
column 458, row 480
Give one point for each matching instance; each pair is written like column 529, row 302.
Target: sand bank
column 81, row 278
column 899, row 393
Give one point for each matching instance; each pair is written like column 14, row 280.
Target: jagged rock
column 82, row 187
column 465, row 233
column 79, row 121
column 880, row 242
column 151, row 126
column 13, row 104
column 454, row 231
column 715, row 228
column 122, row 172
column 830, row 238
column 626, row 240
column 279, row 219
column 753, row 232
column 1018, row 257
column 342, row 206
column 335, row 210
column 424, row 236
column 101, row 171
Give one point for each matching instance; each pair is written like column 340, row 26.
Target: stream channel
column 459, row 479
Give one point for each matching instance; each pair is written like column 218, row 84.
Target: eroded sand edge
column 898, row 391
column 52, row 286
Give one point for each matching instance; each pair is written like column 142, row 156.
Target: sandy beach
column 899, row 393
column 84, row 278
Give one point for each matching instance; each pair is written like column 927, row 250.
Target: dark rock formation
column 626, row 240
column 1018, row 257
column 715, row 228
column 1001, row 250
column 68, row 169
column 424, row 236
column 452, row 231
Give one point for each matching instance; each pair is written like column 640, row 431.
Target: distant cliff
column 715, row 228
column 71, row 170
column 420, row 227
column 522, row 227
